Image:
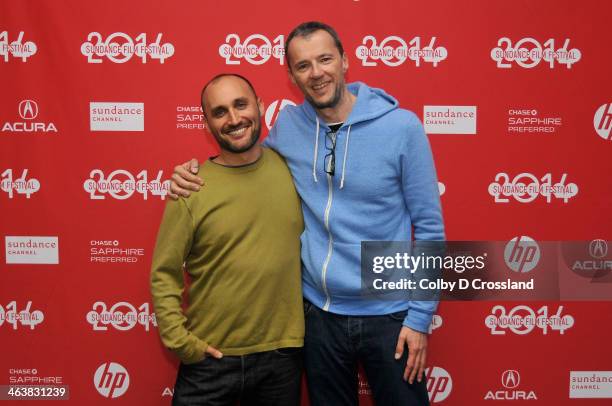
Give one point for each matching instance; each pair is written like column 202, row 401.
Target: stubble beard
column 227, row 145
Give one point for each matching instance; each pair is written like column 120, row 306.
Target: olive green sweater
column 239, row 238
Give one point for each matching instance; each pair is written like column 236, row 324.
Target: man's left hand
column 417, row 352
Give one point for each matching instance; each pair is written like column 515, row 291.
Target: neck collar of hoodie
column 371, row 103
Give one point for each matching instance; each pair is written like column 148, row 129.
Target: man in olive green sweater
column 239, row 242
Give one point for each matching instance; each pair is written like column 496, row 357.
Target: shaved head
column 217, row 78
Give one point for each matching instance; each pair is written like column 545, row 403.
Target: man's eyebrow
column 217, row 109
column 324, row 54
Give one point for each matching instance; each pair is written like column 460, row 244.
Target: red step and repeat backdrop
column 99, row 101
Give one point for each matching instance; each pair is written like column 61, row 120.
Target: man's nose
column 234, row 116
column 316, row 71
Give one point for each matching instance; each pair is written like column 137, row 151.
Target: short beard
column 227, row 145
column 338, row 93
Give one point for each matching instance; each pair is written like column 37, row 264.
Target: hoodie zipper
column 330, row 246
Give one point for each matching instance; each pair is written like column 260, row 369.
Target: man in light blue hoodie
column 364, row 171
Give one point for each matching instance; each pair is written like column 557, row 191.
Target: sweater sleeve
column 173, row 244
column 420, row 187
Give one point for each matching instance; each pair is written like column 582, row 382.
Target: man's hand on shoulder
column 417, row 352
column 184, row 179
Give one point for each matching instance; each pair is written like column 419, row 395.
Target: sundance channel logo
column 449, row 119
column 110, row 116
column 32, row 250
column 590, row 385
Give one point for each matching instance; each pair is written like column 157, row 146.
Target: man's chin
column 324, row 102
column 239, row 148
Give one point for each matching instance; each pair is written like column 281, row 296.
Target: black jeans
column 265, row 378
column 334, row 344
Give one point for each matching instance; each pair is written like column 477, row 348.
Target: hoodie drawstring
column 314, row 161
column 348, row 136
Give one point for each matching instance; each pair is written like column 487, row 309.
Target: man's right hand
column 184, row 179
column 213, row 352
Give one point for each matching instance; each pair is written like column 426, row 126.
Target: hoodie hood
column 371, row 103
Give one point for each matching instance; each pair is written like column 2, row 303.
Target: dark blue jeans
column 265, row 378
column 333, row 346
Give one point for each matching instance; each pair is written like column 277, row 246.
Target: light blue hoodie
column 384, row 184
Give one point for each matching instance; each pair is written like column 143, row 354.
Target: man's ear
column 290, row 73
column 261, row 106
column 345, row 63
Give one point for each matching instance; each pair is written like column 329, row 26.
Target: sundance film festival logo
column 522, row 254
column 521, row 121
column 104, row 116
column 17, row 48
column 121, row 184
column 189, row 118
column 394, row 51
column 32, row 250
column 28, row 112
column 528, row 53
column 274, row 109
column 603, row 121
column 525, row 188
column 510, row 380
column 111, row 380
column 121, row 316
column 25, row 318
column 449, row 119
column 439, row 384
column 21, row 185
column 522, row 320
column 119, row 47
column 256, row 49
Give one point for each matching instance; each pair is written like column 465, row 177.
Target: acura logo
column 511, row 379
column 28, row 109
column 598, row 248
